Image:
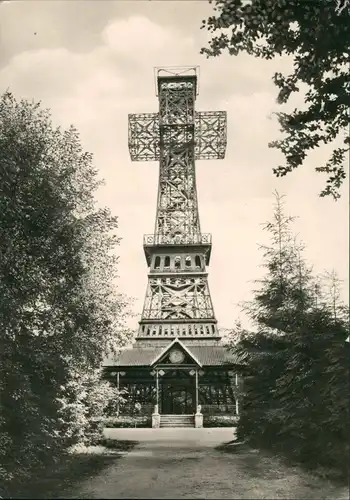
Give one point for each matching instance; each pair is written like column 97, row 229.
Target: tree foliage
column 85, row 402
column 295, row 362
column 59, row 309
column 288, row 289
column 316, row 34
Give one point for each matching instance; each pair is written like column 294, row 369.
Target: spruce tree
column 275, row 311
column 295, row 362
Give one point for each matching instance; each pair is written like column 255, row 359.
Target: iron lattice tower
column 178, row 302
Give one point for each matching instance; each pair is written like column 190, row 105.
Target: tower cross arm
column 210, row 135
column 144, row 136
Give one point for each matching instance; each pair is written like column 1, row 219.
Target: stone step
column 177, row 421
column 177, row 416
column 176, row 426
column 173, row 421
column 171, row 424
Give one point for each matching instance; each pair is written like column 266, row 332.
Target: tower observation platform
column 178, row 331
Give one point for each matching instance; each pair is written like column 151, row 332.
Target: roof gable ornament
column 169, row 348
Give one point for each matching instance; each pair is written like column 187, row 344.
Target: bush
column 86, row 402
column 128, row 421
column 220, row 420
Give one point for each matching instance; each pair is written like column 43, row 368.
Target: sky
column 91, row 63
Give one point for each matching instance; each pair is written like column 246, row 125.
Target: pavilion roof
column 144, row 356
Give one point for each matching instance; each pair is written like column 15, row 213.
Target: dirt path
column 185, row 463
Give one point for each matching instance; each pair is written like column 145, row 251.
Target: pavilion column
column 155, row 414
column 118, row 394
column 198, row 417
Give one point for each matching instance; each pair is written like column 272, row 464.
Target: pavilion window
column 188, row 261
column 157, row 263
column 177, row 262
column 198, row 262
column 167, row 262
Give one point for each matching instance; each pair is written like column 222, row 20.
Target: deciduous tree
column 316, row 35
column 60, row 311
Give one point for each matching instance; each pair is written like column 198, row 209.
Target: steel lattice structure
column 178, row 302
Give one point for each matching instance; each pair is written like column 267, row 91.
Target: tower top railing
column 184, row 239
column 163, row 72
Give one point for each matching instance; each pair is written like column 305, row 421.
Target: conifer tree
column 285, row 292
column 274, row 310
column 295, row 364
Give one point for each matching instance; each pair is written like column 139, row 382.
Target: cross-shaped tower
column 178, row 302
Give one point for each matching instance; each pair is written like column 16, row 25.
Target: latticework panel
column 176, row 103
column 217, row 394
column 183, row 330
column 208, row 135
column 144, row 137
column 178, row 298
column 190, row 239
column 177, row 210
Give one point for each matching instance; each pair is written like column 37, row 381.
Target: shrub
column 220, row 420
column 83, row 406
column 128, row 421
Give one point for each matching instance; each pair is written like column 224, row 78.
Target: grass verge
column 339, row 477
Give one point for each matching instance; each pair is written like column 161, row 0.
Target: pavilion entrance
column 178, row 393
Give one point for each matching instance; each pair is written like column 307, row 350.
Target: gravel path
column 185, row 463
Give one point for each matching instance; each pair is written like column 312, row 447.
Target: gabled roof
column 144, row 356
column 169, row 347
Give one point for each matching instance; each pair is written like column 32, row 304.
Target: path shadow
column 251, row 460
column 233, row 446
column 118, row 445
column 63, row 478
